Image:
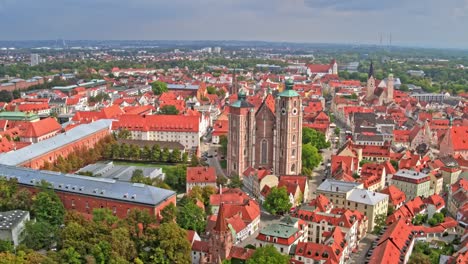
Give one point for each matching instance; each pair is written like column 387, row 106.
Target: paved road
column 213, row 162
column 360, row 256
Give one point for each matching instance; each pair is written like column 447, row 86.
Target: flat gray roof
column 27, row 153
column 110, row 170
column 89, row 186
column 410, row 174
column 338, row 186
column 10, row 219
column 366, row 197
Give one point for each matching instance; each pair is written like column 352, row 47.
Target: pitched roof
column 41, row 128
column 175, row 123
column 201, row 174
column 395, row 195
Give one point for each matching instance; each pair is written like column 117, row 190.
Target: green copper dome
column 288, row 89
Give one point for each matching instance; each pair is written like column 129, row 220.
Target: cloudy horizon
column 430, row 23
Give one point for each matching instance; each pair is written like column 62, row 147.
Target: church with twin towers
column 268, row 137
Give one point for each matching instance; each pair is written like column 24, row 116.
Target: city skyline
column 305, row 21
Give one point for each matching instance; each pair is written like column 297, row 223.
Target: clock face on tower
column 294, row 111
column 283, row 111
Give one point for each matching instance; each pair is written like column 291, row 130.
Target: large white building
column 185, row 129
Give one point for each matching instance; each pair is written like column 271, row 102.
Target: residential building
column 351, row 195
column 396, row 197
column 254, row 180
column 457, row 196
column 395, row 245
column 185, row 129
column 412, row 183
column 284, row 236
column 297, row 188
column 455, row 142
column 200, row 176
column 332, row 249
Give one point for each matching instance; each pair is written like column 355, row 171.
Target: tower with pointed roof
column 288, row 132
column 240, row 135
column 370, row 82
column 221, row 238
column 265, row 122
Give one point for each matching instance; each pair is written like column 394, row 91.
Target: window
column 295, row 103
column 87, row 205
column 264, row 150
column 294, row 139
column 293, row 167
column 114, row 210
column 293, row 152
column 73, row 202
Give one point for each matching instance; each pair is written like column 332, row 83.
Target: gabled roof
column 201, row 175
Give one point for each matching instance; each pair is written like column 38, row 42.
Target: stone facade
column 268, row 138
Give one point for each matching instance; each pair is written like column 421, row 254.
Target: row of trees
column 134, row 152
column 80, row 157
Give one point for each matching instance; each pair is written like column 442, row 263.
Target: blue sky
column 432, row 23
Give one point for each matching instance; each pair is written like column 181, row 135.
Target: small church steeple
column 371, row 70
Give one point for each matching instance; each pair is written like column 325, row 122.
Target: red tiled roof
column 391, row 244
column 41, row 128
column 201, row 174
column 175, row 123
column 396, row 196
column 241, row 253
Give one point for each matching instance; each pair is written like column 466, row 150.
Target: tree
column 6, row 96
column 174, row 244
column 223, row 141
column 268, row 255
column 191, row 217
column 137, row 176
column 235, row 182
column 419, row 258
column 379, row 223
column 168, row 110
column 394, row 164
column 194, row 161
column 159, row 87
column 211, row 90
column 277, row 201
column 175, row 156
column 146, row 153
column 134, row 152
column 404, row 87
column 104, row 215
column 122, row 246
column 6, row 246
column 124, row 134
column 185, row 157
column 311, row 158
column 39, row 235
column 47, row 207
column 315, row 138
column 165, row 154
column 169, row 213
column 69, row 255
column 336, row 131
column 156, row 153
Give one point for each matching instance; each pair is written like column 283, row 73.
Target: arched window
column 295, row 103
column 264, row 151
column 294, row 139
column 293, row 152
column 293, row 167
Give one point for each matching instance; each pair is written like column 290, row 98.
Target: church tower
column 390, row 88
column 288, row 137
column 370, row 82
column 221, row 238
column 240, row 135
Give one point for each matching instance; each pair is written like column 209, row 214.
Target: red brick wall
column 85, row 204
column 65, row 150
